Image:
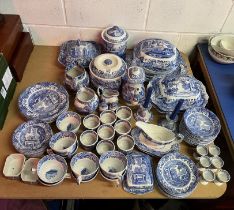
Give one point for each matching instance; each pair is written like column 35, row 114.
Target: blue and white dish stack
column 199, row 126
column 139, row 176
column 115, row 40
column 167, row 92
column 43, row 101
column 176, row 175
column 158, row 57
column 32, row 138
column 76, row 52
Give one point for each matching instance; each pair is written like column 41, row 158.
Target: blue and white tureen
column 177, row 175
column 158, row 57
column 167, row 91
column 107, row 70
column 32, row 138
column 44, row 101
column 75, row 52
column 139, row 176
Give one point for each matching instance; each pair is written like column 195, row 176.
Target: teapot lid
column 135, row 74
column 114, row 34
column 108, row 66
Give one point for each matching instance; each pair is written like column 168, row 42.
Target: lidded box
column 115, row 34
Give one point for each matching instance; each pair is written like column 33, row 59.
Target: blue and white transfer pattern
column 177, row 175
column 32, row 138
column 139, row 176
column 44, row 101
column 75, row 52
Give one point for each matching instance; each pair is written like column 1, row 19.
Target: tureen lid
column 108, row 66
column 135, row 74
column 179, row 87
column 114, row 34
column 155, row 49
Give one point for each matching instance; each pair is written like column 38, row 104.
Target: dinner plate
column 32, row 138
column 44, row 101
column 177, row 174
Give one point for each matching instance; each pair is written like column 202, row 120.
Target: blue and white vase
column 133, row 90
column 115, row 40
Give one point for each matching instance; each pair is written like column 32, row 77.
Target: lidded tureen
column 107, row 70
column 167, row 91
column 75, row 52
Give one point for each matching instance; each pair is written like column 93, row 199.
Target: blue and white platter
column 32, row 138
column 168, row 90
column 44, row 101
column 177, row 175
column 139, row 176
column 136, row 134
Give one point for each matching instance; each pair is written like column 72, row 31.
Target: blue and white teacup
column 84, row 166
column 52, row 169
column 64, row 143
column 106, row 132
column 113, row 164
column 122, row 127
column 69, row 121
column 88, row 139
column 104, row 146
column 91, row 122
column 125, row 144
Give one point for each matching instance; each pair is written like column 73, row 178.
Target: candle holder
column 169, row 123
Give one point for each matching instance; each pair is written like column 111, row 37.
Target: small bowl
column 227, row 44
column 84, row 166
column 113, row 164
column 105, row 146
column 204, row 162
column 28, row 173
column 88, row 139
column 14, row 165
column 217, row 162
column 52, row 169
column 68, row 121
column 91, row 122
column 125, row 144
column 214, row 150
column 124, row 113
column 106, row 132
column 63, row 143
column 222, row 176
column 108, row 117
column 122, row 127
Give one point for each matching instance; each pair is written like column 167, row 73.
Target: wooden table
column 43, row 66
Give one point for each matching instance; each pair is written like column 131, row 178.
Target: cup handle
column 79, row 179
column 67, row 176
column 49, row 151
column 99, row 90
column 179, row 138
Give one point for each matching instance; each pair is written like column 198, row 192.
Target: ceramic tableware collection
column 96, row 82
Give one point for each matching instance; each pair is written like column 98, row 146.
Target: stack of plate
column 32, row 138
column 199, row 126
column 176, row 175
column 145, row 145
column 44, row 101
column 221, row 48
column 139, row 177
